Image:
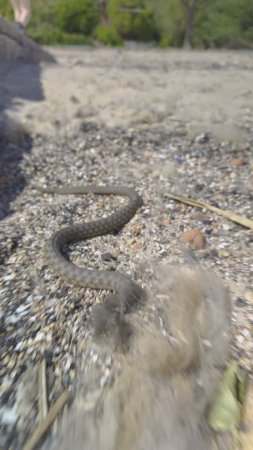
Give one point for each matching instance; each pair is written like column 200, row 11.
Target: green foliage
column 216, row 23
column 226, row 411
column 246, row 14
column 108, row 35
column 166, row 41
column 77, row 16
column 133, row 19
column 169, row 21
column 47, row 35
column 42, row 27
column 6, row 9
column 224, row 23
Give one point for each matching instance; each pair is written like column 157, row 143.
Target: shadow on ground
column 19, row 80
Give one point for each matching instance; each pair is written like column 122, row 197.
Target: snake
column 126, row 291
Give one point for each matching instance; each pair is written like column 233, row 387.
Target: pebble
column 249, row 296
column 240, row 339
column 8, row 416
column 166, row 221
column 195, row 238
column 238, row 162
column 22, row 310
column 223, row 254
column 137, row 230
column 202, row 138
column 106, row 257
column 43, row 314
column 40, row 336
column 12, row 320
column 136, row 247
column 240, row 302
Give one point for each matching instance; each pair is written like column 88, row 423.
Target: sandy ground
column 204, row 91
column 156, row 120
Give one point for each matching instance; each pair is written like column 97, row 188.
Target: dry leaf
column 247, row 436
column 244, row 221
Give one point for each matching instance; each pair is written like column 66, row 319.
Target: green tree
column 77, row 16
column 108, row 35
column 132, row 19
column 226, row 23
column 6, row 9
column 169, row 21
column 192, row 9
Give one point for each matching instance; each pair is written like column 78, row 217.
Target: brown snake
column 128, row 293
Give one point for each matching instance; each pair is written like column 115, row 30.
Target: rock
column 8, row 416
column 202, row 138
column 137, row 230
column 14, row 44
column 240, row 302
column 249, row 296
column 107, row 257
column 166, row 221
column 217, row 198
column 238, row 162
column 136, row 247
column 19, row 78
column 195, row 238
column 223, row 254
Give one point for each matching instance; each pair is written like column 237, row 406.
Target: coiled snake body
column 128, row 293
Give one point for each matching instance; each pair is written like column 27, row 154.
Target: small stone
column 11, row 364
column 249, row 296
column 8, row 416
column 240, row 302
column 166, row 221
column 240, row 339
column 108, row 361
column 95, row 357
column 238, row 162
column 107, row 257
column 22, row 310
column 72, row 374
column 74, row 99
column 218, row 198
column 48, row 356
column 199, row 215
column 137, row 230
column 40, row 336
column 195, row 238
column 12, row 320
column 199, row 187
column 223, row 254
column 4, row 388
column 178, row 159
column 68, row 364
column 9, row 277
column 207, row 222
column 20, row 345
column 202, row 138
column 81, row 346
column 105, row 377
column 136, row 247
column 226, row 227
column 57, row 351
column 58, row 372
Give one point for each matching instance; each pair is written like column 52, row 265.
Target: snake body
column 128, row 292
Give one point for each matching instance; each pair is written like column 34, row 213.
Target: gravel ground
column 40, row 314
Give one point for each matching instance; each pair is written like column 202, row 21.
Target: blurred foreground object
column 167, row 365
column 16, row 45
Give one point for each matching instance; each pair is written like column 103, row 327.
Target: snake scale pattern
column 128, row 293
